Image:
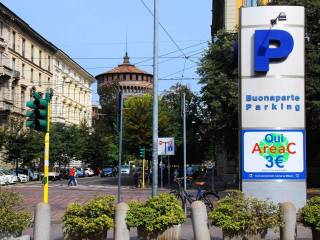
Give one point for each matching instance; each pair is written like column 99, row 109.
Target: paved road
column 60, row 196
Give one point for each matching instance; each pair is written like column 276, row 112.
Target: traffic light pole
column 143, row 173
column 46, row 158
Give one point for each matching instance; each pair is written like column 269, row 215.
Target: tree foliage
column 219, row 76
column 21, row 145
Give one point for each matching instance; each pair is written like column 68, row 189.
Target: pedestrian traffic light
column 37, row 117
column 142, row 152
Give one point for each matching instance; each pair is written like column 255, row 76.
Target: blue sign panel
column 273, row 154
column 263, row 52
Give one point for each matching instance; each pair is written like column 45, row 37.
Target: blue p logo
column 263, row 53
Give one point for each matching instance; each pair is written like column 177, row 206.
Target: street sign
column 166, row 146
column 272, row 100
column 273, row 155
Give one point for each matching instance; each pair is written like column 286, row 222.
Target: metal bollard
column 199, row 218
column 42, row 222
column 288, row 230
column 121, row 231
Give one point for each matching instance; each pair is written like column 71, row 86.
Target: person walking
column 72, row 174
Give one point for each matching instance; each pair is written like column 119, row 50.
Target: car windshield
column 107, row 169
column 125, row 167
column 7, row 172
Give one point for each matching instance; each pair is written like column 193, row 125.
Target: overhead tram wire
column 191, row 46
column 165, row 30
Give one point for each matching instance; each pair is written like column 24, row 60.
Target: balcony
column 15, row 74
column 5, row 72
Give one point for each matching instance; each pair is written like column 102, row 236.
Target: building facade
column 71, row 103
column 131, row 80
column 29, row 62
column 225, row 13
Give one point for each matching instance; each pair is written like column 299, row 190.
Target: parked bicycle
column 207, row 197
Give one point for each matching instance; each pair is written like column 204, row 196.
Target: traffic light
column 142, row 152
column 38, row 118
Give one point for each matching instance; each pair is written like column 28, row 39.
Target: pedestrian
column 72, row 174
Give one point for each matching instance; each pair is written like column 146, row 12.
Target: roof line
column 36, row 35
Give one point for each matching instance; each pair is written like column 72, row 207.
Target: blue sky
column 93, row 33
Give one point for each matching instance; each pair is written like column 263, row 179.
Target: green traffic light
column 37, row 119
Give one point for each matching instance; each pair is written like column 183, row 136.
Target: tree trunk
column 315, row 234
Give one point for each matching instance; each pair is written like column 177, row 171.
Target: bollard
column 42, row 222
column 288, row 230
column 121, row 231
column 199, row 218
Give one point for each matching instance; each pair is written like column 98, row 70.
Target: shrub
column 156, row 215
column 309, row 215
column 12, row 220
column 238, row 215
column 89, row 221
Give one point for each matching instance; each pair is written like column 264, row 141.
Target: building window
column 32, row 52
column 1, row 29
column 22, row 69
column 40, row 55
column 23, row 47
column 14, row 40
column 49, row 63
column 13, row 95
column 31, row 75
column 39, row 79
column 13, row 64
column 48, row 81
column 30, row 94
column 23, row 98
column 0, row 58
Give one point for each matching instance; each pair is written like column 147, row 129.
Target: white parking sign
column 166, row 146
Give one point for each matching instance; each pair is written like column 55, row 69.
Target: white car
column 88, row 172
column 11, row 177
column 22, row 177
column 3, row 179
column 125, row 169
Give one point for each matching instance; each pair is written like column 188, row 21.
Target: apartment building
column 225, row 13
column 72, row 99
column 29, row 62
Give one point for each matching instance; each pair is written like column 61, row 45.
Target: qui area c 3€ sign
column 274, row 154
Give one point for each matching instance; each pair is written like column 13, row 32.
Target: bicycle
column 207, row 197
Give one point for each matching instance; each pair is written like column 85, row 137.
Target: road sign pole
column 161, row 171
column 155, row 104
column 169, row 171
column 46, row 158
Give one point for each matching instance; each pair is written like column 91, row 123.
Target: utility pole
column 184, row 146
column 155, row 103
column 120, row 111
column 184, row 142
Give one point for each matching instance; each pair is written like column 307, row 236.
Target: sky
column 96, row 33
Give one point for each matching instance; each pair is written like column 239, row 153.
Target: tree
column 196, row 123
column 312, row 73
column 219, row 76
column 63, row 144
column 21, row 145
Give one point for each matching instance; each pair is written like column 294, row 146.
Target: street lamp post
column 155, row 104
